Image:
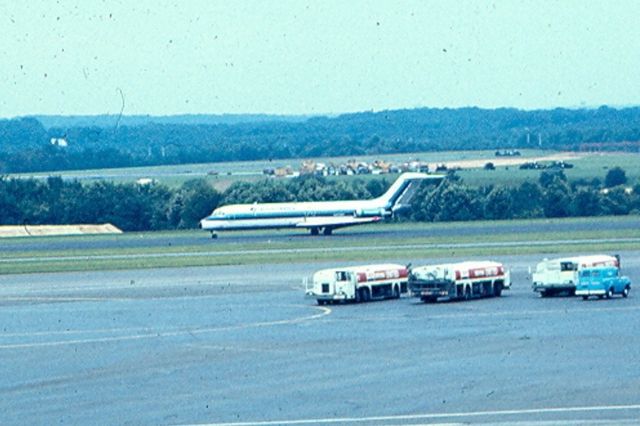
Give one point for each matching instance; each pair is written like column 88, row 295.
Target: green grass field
column 221, row 175
column 13, row 259
column 588, row 167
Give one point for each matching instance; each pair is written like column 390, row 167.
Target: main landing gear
column 325, row 231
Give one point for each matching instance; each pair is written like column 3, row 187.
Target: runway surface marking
column 62, row 299
column 474, row 313
column 405, row 417
column 182, row 332
column 12, row 290
column 314, row 250
column 149, row 332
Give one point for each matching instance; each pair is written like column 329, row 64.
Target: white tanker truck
column 357, row 283
column 462, row 280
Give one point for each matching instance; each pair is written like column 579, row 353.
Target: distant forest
column 134, row 207
column 113, row 141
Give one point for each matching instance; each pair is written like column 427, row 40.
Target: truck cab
column 333, row 285
column 357, row 283
column 603, row 281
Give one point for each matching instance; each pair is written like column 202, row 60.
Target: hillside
column 109, row 141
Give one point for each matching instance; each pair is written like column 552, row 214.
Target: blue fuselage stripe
column 283, row 214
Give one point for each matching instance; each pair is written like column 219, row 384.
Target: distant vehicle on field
column 554, row 276
column 456, row 281
column 602, row 281
column 357, row 283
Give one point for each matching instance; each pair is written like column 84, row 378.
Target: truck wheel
column 366, row 296
column 321, row 302
column 467, row 293
column 497, row 290
column 544, row 293
column 358, row 298
column 610, row 293
column 396, row 292
column 585, row 297
column 625, row 292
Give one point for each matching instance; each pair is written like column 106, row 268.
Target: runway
column 239, row 345
column 341, row 237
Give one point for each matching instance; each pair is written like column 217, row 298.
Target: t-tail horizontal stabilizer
column 401, row 192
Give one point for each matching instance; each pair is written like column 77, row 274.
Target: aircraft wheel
column 315, row 231
column 327, row 231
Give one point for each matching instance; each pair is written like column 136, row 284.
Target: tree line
column 25, row 143
column 133, row 207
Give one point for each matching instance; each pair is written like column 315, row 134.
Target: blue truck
column 602, row 281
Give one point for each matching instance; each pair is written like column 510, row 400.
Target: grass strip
column 254, row 257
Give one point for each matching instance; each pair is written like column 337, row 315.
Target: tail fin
column 402, row 190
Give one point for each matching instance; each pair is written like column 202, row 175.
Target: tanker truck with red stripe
column 455, row 281
column 357, row 283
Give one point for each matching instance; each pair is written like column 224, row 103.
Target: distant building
column 59, row 142
column 146, row 181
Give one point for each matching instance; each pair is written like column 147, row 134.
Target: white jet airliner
column 317, row 216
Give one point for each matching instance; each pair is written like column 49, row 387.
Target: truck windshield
column 342, row 276
column 568, row 266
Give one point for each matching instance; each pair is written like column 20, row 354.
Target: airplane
column 316, row 216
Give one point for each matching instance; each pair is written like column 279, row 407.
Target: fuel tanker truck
column 357, row 283
column 455, row 281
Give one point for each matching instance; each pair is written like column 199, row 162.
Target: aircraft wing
column 335, row 221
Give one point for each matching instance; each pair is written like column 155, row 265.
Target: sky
column 320, row 57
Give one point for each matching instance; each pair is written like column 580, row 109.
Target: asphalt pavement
column 240, row 345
